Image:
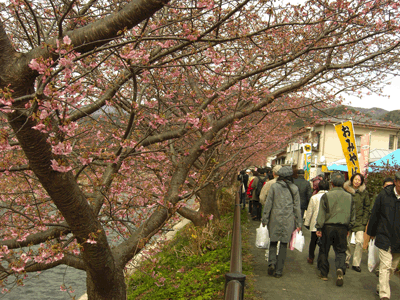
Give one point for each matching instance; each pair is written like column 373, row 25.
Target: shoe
column 278, row 275
column 323, row 277
column 347, row 265
column 339, row 277
column 271, row 270
column 357, row 269
column 310, row 260
column 377, row 292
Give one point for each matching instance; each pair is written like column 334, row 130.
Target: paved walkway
column 300, row 280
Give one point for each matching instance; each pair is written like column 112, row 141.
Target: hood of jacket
column 389, row 190
column 350, row 189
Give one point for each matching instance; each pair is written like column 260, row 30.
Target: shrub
column 191, row 266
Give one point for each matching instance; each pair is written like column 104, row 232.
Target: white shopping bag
column 373, row 255
column 299, row 241
column 262, row 237
column 353, row 238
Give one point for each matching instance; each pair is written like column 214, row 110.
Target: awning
column 335, row 167
column 390, row 159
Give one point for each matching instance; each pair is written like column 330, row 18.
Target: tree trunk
column 115, row 290
column 208, row 207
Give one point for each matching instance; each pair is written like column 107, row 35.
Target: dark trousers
column 335, row 236
column 256, row 210
column 277, row 260
column 313, row 244
column 250, row 205
column 243, row 197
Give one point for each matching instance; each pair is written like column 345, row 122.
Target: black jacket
column 384, row 222
column 305, row 191
column 244, row 178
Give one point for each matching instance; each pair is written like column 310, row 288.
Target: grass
column 193, row 264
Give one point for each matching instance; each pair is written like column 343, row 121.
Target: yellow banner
column 345, row 132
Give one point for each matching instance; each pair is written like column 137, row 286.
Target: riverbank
column 136, row 261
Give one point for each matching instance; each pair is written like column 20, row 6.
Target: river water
column 46, row 285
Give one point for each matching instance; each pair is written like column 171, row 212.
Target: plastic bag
column 299, row 241
column 373, row 255
column 353, row 238
column 262, row 237
column 292, row 240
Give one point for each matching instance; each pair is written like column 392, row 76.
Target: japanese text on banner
column 345, row 133
column 307, row 160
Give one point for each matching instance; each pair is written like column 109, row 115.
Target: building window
column 358, row 143
column 391, row 142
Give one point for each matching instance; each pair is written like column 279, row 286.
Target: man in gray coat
column 336, row 217
column 282, row 215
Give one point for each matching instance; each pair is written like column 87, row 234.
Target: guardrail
column 235, row 280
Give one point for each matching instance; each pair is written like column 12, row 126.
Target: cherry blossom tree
column 115, row 114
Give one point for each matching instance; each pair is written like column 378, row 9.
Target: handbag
column 262, row 237
column 373, row 255
column 299, row 241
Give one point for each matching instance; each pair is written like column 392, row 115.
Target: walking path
column 300, row 280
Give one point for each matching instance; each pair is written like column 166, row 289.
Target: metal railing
column 235, row 280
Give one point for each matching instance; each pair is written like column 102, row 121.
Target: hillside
column 375, row 113
column 370, row 113
column 393, row 116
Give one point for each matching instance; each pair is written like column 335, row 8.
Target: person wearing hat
column 305, row 190
column 282, row 215
column 384, row 227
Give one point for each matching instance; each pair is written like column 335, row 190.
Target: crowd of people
column 337, row 212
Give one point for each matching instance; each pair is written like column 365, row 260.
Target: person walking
column 305, row 190
column 335, row 219
column 315, row 181
column 282, row 215
column 384, row 227
column 387, row 181
column 356, row 187
column 255, row 201
column 268, row 184
column 262, row 179
column 249, row 173
column 243, row 178
column 310, row 218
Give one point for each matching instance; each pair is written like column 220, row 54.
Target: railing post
column 238, row 277
column 235, row 280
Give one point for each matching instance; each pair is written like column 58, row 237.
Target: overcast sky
column 389, row 104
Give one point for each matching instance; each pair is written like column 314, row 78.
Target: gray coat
column 281, row 212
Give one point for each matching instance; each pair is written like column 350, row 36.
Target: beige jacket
column 310, row 217
column 265, row 189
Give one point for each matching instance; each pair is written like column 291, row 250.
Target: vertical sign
column 364, row 155
column 307, row 160
column 345, row 133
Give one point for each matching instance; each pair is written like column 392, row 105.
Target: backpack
column 260, row 184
